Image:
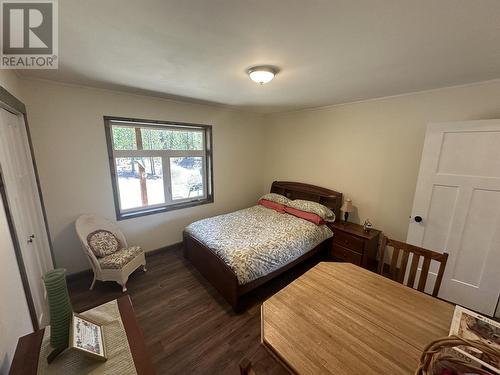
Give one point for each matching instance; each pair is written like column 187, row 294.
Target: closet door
column 24, row 203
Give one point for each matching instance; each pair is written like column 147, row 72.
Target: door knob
column 30, row 238
column 418, row 219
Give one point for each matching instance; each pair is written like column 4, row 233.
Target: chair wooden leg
column 245, row 366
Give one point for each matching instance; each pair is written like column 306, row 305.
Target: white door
column 24, row 203
column 458, row 199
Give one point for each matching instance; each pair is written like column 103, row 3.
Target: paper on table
column 473, row 326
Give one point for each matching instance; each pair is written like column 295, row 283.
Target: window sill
column 172, row 207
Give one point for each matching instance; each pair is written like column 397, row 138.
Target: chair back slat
column 413, row 270
column 402, row 268
column 382, row 245
column 440, row 274
column 423, row 274
column 398, row 269
column 394, row 263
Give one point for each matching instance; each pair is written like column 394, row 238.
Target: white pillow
column 278, row 198
column 314, row 207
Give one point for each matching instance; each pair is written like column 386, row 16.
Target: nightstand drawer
column 346, row 255
column 349, row 241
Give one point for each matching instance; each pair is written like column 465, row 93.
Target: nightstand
column 352, row 244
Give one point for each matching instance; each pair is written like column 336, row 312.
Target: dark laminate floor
column 188, row 327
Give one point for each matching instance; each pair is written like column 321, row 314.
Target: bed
column 239, row 251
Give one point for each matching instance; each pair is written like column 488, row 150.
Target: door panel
column 458, row 195
column 481, row 225
column 458, row 147
column 24, row 202
column 441, row 211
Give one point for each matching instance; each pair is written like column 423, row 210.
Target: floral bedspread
column 257, row 241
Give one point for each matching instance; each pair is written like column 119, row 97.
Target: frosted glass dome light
column 262, row 74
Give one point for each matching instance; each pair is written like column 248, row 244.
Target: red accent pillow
column 309, row 216
column 272, row 205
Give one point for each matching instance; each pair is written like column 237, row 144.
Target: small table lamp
column 347, row 208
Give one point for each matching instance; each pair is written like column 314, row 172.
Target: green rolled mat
column 60, row 308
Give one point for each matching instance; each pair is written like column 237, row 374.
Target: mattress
column 256, row 241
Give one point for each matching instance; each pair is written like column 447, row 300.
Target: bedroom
column 356, row 88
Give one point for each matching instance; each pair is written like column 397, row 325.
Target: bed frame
column 220, row 275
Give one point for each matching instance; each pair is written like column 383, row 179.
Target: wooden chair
column 398, row 274
column 246, row 367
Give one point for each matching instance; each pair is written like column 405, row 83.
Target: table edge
column 20, row 364
column 277, row 357
column 269, row 348
column 140, row 354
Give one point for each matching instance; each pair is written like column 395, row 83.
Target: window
column 158, row 166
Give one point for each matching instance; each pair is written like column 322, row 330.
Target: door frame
column 17, row 251
column 10, row 103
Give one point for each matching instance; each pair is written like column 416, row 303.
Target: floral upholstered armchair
column 107, row 250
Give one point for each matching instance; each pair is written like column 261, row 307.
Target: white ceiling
column 329, row 51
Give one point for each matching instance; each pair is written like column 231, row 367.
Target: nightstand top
column 354, row 229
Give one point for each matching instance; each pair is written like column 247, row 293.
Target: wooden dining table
column 340, row 319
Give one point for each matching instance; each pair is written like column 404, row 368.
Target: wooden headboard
column 297, row 190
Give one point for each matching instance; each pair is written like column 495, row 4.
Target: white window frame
column 165, row 155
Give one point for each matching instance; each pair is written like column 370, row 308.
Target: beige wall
column 66, row 124
column 370, row 150
column 10, row 81
column 14, row 314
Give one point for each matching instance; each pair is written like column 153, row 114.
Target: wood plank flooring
column 187, row 325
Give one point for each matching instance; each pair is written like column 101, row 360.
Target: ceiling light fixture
column 262, row 74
